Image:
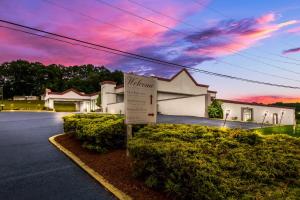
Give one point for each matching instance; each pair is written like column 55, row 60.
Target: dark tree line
column 293, row 105
column 31, row 78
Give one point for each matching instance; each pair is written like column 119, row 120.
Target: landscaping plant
column 215, row 109
column 196, row 162
column 99, row 132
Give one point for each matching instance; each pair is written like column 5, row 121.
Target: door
column 275, row 118
column 247, row 114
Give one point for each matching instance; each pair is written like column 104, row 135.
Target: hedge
column 97, row 132
column 196, row 162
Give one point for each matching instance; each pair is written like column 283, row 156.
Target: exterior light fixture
column 226, row 116
column 265, row 115
column 282, row 113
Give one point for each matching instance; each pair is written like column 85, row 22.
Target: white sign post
column 140, row 94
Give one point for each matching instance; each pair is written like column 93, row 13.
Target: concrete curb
column 108, row 186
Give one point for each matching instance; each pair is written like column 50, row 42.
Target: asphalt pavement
column 32, row 168
column 205, row 122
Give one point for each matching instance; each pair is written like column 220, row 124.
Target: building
column 84, row 102
column 26, row 98
column 242, row 111
column 181, row 95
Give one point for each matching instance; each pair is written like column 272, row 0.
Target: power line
column 150, row 59
column 259, row 61
column 93, row 18
column 106, row 51
column 59, row 40
column 138, row 16
column 174, row 30
column 258, row 71
column 233, row 51
column 226, row 16
column 196, row 28
column 100, row 21
column 162, row 14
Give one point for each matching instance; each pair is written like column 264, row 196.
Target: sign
column 140, row 94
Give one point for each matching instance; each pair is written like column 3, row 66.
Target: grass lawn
column 64, row 107
column 288, row 129
column 23, row 105
column 37, row 105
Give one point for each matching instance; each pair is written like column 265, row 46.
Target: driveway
column 205, row 122
column 31, row 168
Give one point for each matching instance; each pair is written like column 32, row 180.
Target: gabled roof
column 187, row 72
column 172, row 78
column 75, row 91
column 119, row 86
column 210, row 91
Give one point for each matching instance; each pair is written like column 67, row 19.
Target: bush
column 215, row 109
column 98, row 132
column 196, row 162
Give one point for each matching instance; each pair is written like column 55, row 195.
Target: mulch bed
column 114, row 166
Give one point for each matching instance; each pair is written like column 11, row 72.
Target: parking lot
column 31, row 168
column 206, row 122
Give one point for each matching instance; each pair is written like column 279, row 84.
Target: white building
column 84, row 102
column 182, row 95
column 25, row 98
column 242, row 111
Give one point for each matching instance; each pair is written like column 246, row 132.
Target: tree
column 215, row 109
column 31, row 78
column 98, row 103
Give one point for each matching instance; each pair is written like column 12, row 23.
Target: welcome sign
column 140, row 94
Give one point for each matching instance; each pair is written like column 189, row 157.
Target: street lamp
column 282, row 113
column 265, row 115
column 226, row 116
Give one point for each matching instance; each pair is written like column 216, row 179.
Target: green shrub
column 98, row 132
column 215, row 109
column 196, row 162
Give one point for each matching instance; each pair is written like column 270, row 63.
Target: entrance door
column 275, row 118
column 247, row 114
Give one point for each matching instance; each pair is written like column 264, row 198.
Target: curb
column 25, row 111
column 108, row 186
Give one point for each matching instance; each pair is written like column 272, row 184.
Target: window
column 120, row 98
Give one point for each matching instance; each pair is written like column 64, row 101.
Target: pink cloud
column 236, row 36
column 269, row 99
column 294, row 30
column 59, row 20
column 266, row 18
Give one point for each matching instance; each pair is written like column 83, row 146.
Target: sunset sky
column 257, row 39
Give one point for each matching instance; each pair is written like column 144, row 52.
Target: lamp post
column 265, row 115
column 226, row 116
column 282, row 113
